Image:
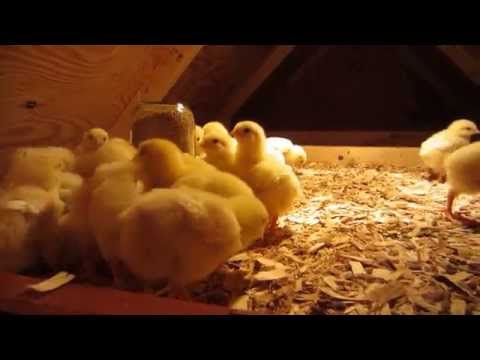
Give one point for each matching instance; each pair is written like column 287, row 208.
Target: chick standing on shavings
column 463, row 177
column 275, row 184
column 435, row 149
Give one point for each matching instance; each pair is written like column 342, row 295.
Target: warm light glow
column 180, row 107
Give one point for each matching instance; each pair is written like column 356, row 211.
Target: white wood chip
column 383, row 274
column 53, row 283
column 276, row 274
column 357, row 268
column 330, row 281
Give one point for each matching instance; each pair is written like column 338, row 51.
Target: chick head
column 248, row 132
column 296, row 156
column 214, row 126
column 216, row 142
column 94, row 138
column 463, row 127
column 162, row 159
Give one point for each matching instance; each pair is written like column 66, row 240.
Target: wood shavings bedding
column 366, row 240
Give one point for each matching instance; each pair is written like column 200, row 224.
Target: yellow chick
column 215, row 126
column 107, row 201
column 275, row 184
column 435, row 149
column 296, row 156
column 177, row 235
column 279, row 144
column 95, row 150
column 220, row 149
column 249, row 211
column 463, row 177
column 28, row 224
column 198, row 140
column 38, row 166
column 164, row 162
column 92, row 140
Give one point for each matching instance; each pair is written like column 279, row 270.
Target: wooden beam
column 467, row 64
column 423, row 71
column 355, row 138
column 245, row 90
column 168, row 68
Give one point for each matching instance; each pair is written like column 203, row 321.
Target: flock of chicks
column 453, row 155
column 152, row 216
column 155, row 216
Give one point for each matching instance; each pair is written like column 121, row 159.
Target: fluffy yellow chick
column 28, row 224
column 279, row 144
column 38, row 166
column 220, row 149
column 296, row 156
column 177, row 235
column 273, row 183
column 165, row 163
column 107, row 201
column 435, row 149
column 249, row 211
column 215, row 126
column 463, row 177
column 198, row 140
column 96, row 149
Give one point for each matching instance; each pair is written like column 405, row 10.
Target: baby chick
column 28, row 223
column 96, row 149
column 178, row 235
column 107, row 201
column 463, row 177
column 220, row 149
column 198, row 140
column 296, row 156
column 249, row 211
column 273, row 183
column 164, row 163
column 215, row 126
column 38, row 166
column 435, row 149
column 279, row 143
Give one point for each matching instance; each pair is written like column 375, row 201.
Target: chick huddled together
column 153, row 214
column 450, row 156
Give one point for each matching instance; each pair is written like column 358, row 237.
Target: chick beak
column 234, row 132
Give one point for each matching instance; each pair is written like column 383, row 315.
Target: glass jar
column 172, row 122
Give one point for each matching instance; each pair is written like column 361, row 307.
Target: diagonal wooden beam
column 166, row 71
column 416, row 64
column 245, row 90
column 467, row 63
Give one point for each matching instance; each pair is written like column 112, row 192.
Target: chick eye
column 246, row 131
column 215, row 141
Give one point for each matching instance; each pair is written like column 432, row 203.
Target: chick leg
column 455, row 216
column 272, row 225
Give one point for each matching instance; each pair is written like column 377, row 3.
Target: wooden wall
column 50, row 94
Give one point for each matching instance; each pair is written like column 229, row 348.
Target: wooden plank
column 424, row 72
column 76, row 299
column 214, row 75
column 467, row 63
column 50, row 94
column 243, row 92
column 355, row 138
column 346, row 155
